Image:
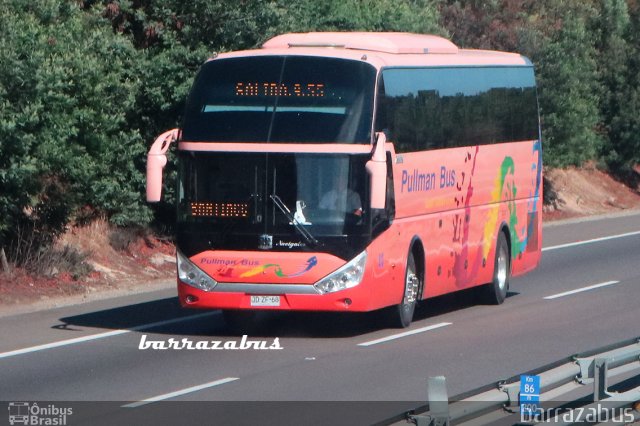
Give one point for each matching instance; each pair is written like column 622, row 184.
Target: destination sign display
column 273, row 89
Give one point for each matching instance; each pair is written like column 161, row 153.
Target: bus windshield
column 282, row 99
column 302, row 200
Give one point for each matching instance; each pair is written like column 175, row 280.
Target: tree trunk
column 4, row 265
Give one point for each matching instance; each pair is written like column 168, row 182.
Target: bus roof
column 398, row 43
column 382, row 49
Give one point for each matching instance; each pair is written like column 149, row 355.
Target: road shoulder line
column 591, row 241
column 581, row 290
column 180, row 392
column 405, row 334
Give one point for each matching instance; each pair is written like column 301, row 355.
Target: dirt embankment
column 99, row 260
column 586, row 191
column 88, row 262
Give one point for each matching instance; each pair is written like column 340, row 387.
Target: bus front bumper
column 297, row 297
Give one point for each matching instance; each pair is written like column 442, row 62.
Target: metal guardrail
column 501, row 400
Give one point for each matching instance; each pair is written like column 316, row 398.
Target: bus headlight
column 191, row 275
column 350, row 275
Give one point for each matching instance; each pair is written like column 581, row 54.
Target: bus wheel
column 496, row 291
column 403, row 313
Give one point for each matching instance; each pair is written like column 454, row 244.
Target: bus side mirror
column 377, row 170
column 156, row 160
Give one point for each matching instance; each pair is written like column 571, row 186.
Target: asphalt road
column 91, row 352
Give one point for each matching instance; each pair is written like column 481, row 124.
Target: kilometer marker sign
column 529, row 394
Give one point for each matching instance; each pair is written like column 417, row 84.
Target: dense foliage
column 86, row 85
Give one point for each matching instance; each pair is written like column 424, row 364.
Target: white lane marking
column 406, row 333
column 180, row 392
column 595, row 240
column 101, row 335
column 580, row 290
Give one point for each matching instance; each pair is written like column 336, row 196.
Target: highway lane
column 322, row 357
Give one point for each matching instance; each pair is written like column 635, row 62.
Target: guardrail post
column 438, row 400
column 438, row 414
column 586, row 370
column 600, row 384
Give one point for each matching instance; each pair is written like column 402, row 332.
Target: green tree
column 569, row 88
column 69, row 85
column 618, row 67
column 418, row 16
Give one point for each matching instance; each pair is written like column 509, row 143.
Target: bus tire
column 403, row 313
column 496, row 291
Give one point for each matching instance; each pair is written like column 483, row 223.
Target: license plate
column 265, row 300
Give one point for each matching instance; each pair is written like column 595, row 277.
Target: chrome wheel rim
column 502, row 269
column 411, row 288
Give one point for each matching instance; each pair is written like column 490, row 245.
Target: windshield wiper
column 301, row 229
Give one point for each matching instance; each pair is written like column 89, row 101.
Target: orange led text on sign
column 205, row 209
column 314, row 90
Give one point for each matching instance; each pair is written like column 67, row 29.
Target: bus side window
column 434, row 108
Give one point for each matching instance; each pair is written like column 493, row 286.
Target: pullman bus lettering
column 418, row 181
column 447, row 177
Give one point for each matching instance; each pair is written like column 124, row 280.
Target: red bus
column 354, row 172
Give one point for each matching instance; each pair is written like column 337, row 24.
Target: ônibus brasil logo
column 26, row 413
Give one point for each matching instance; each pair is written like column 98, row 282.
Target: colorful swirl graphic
column 311, row 262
